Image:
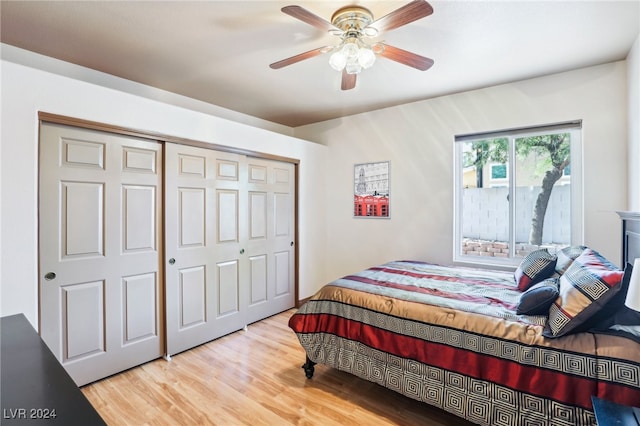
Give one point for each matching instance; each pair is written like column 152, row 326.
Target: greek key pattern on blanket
column 564, row 362
column 461, row 395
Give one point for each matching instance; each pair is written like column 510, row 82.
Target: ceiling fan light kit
column 353, row 55
column 354, row 24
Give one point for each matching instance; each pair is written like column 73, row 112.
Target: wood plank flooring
column 252, row 378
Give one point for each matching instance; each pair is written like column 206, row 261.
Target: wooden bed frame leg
column 308, row 367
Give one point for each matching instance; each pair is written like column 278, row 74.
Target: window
column 498, row 171
column 517, row 191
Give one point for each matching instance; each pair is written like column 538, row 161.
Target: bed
column 469, row 342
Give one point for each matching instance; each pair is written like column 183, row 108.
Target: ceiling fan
column 355, row 26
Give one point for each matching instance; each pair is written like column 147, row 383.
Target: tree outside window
column 514, row 194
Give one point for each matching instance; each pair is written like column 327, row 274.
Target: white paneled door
column 100, row 250
column 226, row 228
column 228, row 242
column 269, row 258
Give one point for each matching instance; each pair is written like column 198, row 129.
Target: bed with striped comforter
column 450, row 337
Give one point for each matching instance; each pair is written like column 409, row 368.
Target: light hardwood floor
column 252, row 377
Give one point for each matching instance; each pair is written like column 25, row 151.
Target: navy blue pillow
column 538, row 298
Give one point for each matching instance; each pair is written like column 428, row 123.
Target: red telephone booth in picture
column 370, row 205
column 380, row 207
column 383, row 206
column 376, row 207
column 358, row 206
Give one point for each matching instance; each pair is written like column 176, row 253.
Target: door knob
column 172, row 261
column 241, row 251
column 291, row 243
column 50, row 276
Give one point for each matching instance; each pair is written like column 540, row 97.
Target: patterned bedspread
column 451, row 337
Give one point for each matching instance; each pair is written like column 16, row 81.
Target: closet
column 150, row 248
column 228, row 242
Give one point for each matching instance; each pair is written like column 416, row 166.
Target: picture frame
column 371, row 190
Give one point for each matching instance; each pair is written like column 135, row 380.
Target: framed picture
column 371, row 190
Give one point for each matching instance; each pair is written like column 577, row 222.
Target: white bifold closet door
column 229, row 229
column 100, row 244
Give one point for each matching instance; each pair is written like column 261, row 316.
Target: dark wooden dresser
column 630, row 236
column 35, row 388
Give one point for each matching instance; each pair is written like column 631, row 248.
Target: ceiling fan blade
column 310, row 18
column 300, row 57
column 405, row 57
column 348, row 80
column 410, row 12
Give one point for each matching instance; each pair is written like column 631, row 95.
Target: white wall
column 48, row 64
column 27, row 90
column 418, row 140
column 633, row 78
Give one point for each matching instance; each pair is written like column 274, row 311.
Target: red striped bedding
column 451, row 337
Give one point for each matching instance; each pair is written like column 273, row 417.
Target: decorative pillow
column 535, row 267
column 566, row 256
column 615, row 312
column 587, row 285
column 538, row 299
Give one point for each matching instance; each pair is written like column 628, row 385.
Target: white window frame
column 577, row 195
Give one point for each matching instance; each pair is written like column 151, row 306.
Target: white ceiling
column 219, row 51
